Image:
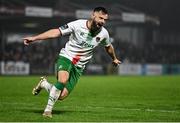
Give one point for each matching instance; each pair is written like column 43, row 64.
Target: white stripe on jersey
column 79, row 48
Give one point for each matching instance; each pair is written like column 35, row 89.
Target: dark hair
column 98, row 9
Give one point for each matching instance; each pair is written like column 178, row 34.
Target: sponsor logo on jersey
column 84, row 44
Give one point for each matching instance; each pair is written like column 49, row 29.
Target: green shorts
column 65, row 64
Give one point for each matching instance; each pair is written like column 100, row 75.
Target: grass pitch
column 95, row 98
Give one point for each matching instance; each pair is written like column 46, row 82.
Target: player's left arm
column 110, row 50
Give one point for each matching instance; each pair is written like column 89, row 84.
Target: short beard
column 94, row 26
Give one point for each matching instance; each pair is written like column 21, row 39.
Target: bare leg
column 55, row 92
column 64, row 94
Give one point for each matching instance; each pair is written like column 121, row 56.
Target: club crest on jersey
column 98, row 39
column 64, row 27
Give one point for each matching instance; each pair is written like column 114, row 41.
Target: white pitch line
column 97, row 107
column 123, row 109
column 138, row 109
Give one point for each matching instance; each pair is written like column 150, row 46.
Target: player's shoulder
column 104, row 31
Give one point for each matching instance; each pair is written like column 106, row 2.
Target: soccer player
column 85, row 35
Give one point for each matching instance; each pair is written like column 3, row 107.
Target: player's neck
column 88, row 24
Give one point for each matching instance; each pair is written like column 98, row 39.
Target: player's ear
column 92, row 15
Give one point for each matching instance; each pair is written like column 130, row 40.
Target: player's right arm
column 52, row 33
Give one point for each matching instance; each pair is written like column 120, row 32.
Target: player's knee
column 63, row 80
column 64, row 94
column 63, row 76
column 61, row 98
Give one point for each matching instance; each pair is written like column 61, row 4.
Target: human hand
column 116, row 62
column 28, row 40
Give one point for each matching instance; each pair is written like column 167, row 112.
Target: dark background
column 167, row 10
column 143, row 43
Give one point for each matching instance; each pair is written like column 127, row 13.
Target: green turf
column 95, row 98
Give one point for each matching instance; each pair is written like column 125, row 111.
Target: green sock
column 59, row 85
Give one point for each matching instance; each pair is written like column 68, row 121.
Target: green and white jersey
column 79, row 48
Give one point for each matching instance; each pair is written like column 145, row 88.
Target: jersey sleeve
column 67, row 28
column 106, row 40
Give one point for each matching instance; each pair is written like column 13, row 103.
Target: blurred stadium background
column 145, row 87
column 145, row 35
